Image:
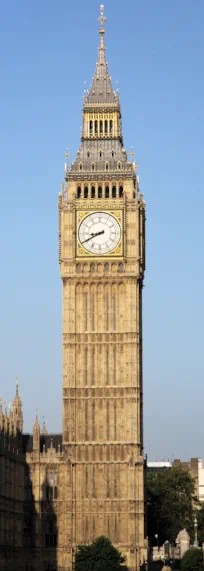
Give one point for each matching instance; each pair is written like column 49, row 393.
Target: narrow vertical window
column 94, row 481
column 91, row 127
column 94, row 527
column 114, row 192
column 78, row 192
column 108, row 481
column 116, row 530
column 107, row 421
column 108, row 530
column 107, row 192
column 107, row 366
column 99, row 192
column 111, row 127
column 86, row 310
column 114, row 311
column 86, row 192
column 106, row 127
column 96, row 127
column 107, row 311
column 87, row 531
column 93, row 367
column 101, row 127
column 86, row 482
column 115, row 481
column 93, row 192
column 93, row 311
column 86, row 420
column 120, row 191
column 114, row 366
column 93, row 422
column 115, row 420
column 86, row 366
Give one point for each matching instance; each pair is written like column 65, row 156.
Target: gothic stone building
column 90, row 480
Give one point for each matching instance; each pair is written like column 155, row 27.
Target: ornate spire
column 102, row 21
column 44, row 429
column 36, row 433
column 101, row 90
column 17, row 387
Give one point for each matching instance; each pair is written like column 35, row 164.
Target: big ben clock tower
column 102, row 260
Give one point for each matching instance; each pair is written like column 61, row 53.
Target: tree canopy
column 192, row 560
column 100, row 555
column 169, row 504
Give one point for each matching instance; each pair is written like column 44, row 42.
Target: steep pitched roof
column 101, row 90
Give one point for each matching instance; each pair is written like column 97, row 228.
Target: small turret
column 36, row 434
column 17, row 410
column 44, row 429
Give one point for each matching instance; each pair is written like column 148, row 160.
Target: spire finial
column 17, row 386
column 102, row 19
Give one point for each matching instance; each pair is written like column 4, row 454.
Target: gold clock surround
column 117, row 252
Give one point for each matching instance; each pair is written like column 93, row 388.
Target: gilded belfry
column 102, row 261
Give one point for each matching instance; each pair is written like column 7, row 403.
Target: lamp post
column 195, row 532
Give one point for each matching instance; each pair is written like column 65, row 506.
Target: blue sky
column 156, row 52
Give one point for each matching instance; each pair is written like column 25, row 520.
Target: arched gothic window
column 78, row 192
column 100, row 192
column 86, row 192
column 120, row 191
column 114, row 192
column 91, row 127
column 106, row 127
column 93, row 192
column 96, row 127
column 101, row 127
column 107, row 192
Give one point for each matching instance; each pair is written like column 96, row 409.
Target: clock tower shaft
column 102, row 330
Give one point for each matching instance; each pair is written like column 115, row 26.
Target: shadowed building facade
column 89, row 481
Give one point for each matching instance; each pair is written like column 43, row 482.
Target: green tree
column 192, row 560
column 169, row 503
column 200, row 520
column 99, row 556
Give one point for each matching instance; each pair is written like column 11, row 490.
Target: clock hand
column 93, row 236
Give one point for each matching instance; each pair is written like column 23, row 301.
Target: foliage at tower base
column 170, row 499
column 192, row 560
column 99, row 556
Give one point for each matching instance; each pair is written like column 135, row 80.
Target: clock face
column 99, row 233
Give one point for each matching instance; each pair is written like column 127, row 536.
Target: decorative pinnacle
column 102, row 19
column 16, row 386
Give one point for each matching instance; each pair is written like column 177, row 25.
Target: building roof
column 45, row 439
column 159, row 464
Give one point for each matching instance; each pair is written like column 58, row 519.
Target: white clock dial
column 99, row 233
